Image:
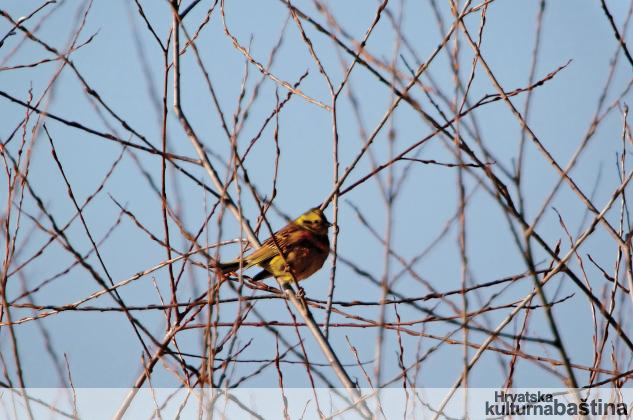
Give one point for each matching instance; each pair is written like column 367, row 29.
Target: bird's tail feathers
column 233, row 266
column 228, row 267
column 262, row 275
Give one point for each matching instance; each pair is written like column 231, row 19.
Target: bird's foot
column 301, row 293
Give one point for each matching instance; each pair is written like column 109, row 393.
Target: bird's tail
column 228, row 267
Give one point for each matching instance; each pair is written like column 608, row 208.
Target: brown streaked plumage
column 304, row 246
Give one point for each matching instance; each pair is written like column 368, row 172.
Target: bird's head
column 314, row 220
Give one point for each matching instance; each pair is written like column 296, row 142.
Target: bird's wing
column 270, row 248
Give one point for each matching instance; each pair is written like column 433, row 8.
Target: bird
column 304, row 246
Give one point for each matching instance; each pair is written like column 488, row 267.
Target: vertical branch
column 390, row 196
column 627, row 249
column 526, row 110
column 461, row 189
column 163, row 185
column 6, row 311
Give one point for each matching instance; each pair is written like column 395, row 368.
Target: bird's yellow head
column 313, row 220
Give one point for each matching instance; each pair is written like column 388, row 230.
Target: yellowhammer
column 304, row 246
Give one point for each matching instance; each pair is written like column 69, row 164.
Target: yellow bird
column 304, row 246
